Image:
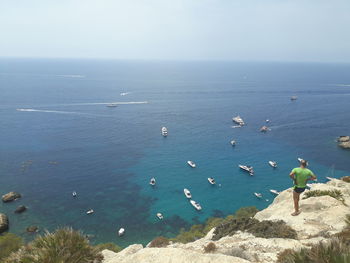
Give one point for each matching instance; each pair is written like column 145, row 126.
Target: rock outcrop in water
column 344, row 142
column 4, row 223
column 20, row 209
column 321, row 217
column 10, row 197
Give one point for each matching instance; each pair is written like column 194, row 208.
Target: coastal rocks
column 320, row 215
column 4, row 223
column 168, row 255
column 10, row 197
column 344, row 142
column 20, row 209
column 32, row 229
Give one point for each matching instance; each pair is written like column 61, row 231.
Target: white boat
column 112, row 105
column 246, row 168
column 258, row 195
column 293, row 98
column 196, row 205
column 233, row 142
column 211, row 180
column 91, row 211
column 74, row 194
column 164, row 131
column 121, row 232
column 187, row 193
column 160, row 216
column 152, row 181
column 274, row 192
column 238, row 120
column 273, row 164
column 191, row 163
column 267, row 120
column 124, row 93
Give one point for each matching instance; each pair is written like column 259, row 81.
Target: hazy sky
column 298, row 30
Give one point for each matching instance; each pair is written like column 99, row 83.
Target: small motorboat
column 152, row 181
column 238, row 120
column 196, row 205
column 160, row 216
column 121, row 232
column 164, row 131
column 258, row 195
column 91, row 211
column 233, row 143
column 293, row 98
column 211, row 180
column 267, row 120
column 274, row 192
column 187, row 193
column 112, row 105
column 246, row 168
column 264, row 129
column 74, row 194
column 191, row 163
column 273, row 164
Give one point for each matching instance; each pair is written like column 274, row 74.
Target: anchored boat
column 196, row 205
column 191, row 163
column 187, row 193
column 246, row 168
column 238, row 120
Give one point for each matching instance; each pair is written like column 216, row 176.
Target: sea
column 57, row 135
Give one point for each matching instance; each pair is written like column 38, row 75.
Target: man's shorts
column 299, row 190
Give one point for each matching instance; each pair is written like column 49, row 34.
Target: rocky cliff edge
column 321, row 217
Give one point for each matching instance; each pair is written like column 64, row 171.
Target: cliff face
column 321, row 217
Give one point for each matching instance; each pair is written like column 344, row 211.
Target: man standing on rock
column 300, row 176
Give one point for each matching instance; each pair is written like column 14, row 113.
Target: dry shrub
column 346, row 179
column 265, row 229
column 211, row 247
column 159, row 242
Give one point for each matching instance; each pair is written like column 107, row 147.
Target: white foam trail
column 124, row 93
column 50, row 111
column 71, row 76
column 63, row 112
column 102, row 103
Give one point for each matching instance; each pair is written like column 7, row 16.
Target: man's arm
column 312, row 177
column 292, row 175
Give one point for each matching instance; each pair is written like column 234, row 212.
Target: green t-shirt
column 301, row 176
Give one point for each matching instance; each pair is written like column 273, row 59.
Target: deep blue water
column 108, row 155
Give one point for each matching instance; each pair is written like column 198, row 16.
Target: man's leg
column 296, row 203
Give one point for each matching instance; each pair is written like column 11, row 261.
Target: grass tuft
column 332, row 193
column 211, row 247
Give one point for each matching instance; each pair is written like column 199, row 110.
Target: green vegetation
column 266, row 229
column 159, row 242
column 200, row 230
column 335, row 250
column 332, row 193
column 9, row 243
column 211, row 247
column 64, row 245
column 110, row 246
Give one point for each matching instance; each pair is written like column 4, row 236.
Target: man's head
column 303, row 163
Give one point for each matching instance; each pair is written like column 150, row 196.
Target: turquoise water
column 108, row 155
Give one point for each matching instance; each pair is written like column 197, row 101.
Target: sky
column 266, row 30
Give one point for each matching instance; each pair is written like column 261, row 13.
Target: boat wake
column 102, row 103
column 71, row 76
column 50, row 111
column 124, row 93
